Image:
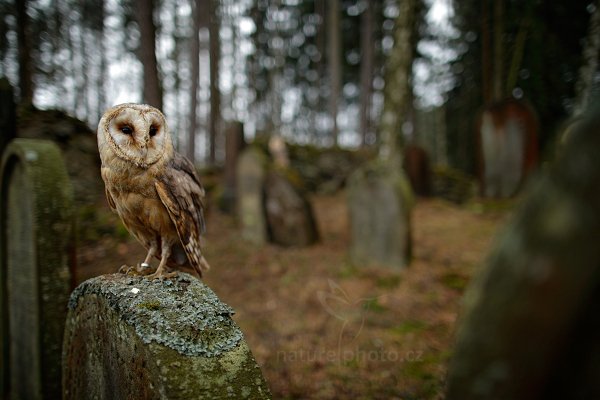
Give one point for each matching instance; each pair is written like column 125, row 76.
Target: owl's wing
column 180, row 191
column 111, row 201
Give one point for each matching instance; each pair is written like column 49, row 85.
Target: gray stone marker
column 289, row 214
column 507, row 136
column 379, row 203
column 134, row 338
column 530, row 324
column 251, row 175
column 36, row 201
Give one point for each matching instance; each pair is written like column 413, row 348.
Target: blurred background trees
column 319, row 74
column 310, row 70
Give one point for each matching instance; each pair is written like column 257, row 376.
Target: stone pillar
column 417, row 166
column 379, row 203
column 289, row 214
column 36, row 202
column 507, row 140
column 251, row 175
column 130, row 337
column 530, row 324
column 234, row 144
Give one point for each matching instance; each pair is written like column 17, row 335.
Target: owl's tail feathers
column 202, row 266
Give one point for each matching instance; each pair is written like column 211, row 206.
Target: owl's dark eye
column 127, row 130
column 153, row 131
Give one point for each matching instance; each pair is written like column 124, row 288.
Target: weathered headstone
column 234, row 144
column 379, row 203
column 134, row 338
column 508, row 147
column 530, row 323
column 417, row 167
column 35, row 237
column 251, row 175
column 289, row 214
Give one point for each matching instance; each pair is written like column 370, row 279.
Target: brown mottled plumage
column 154, row 189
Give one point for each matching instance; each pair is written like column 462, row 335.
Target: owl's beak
column 144, row 149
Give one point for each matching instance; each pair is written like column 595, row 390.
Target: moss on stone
column 119, row 345
column 150, row 305
column 45, row 195
column 189, row 317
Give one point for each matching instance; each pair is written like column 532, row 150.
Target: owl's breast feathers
column 133, row 196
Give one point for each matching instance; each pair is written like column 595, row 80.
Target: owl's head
column 137, row 133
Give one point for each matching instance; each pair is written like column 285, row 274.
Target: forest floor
column 321, row 328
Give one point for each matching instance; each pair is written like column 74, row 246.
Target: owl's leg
column 161, row 272
column 151, row 253
column 144, row 268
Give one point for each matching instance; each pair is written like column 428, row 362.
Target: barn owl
column 154, row 189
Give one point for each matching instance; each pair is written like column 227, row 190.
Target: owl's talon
column 143, row 269
column 162, row 276
column 125, row 269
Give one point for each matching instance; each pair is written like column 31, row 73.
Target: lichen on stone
column 183, row 313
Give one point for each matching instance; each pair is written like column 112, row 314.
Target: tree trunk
column 195, row 67
column 366, row 71
column 498, row 50
column 103, row 75
column 335, row 63
column 24, row 53
column 178, row 65
column 83, row 103
column 321, row 43
column 397, row 91
column 519, row 50
column 8, row 114
column 379, row 194
column 147, row 53
column 215, row 94
column 589, row 67
column 486, row 61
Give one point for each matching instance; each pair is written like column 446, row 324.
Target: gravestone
column 530, row 322
column 36, row 202
column 379, row 204
column 289, row 214
column 417, row 167
column 133, row 338
column 508, row 147
column 234, row 144
column 251, row 175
